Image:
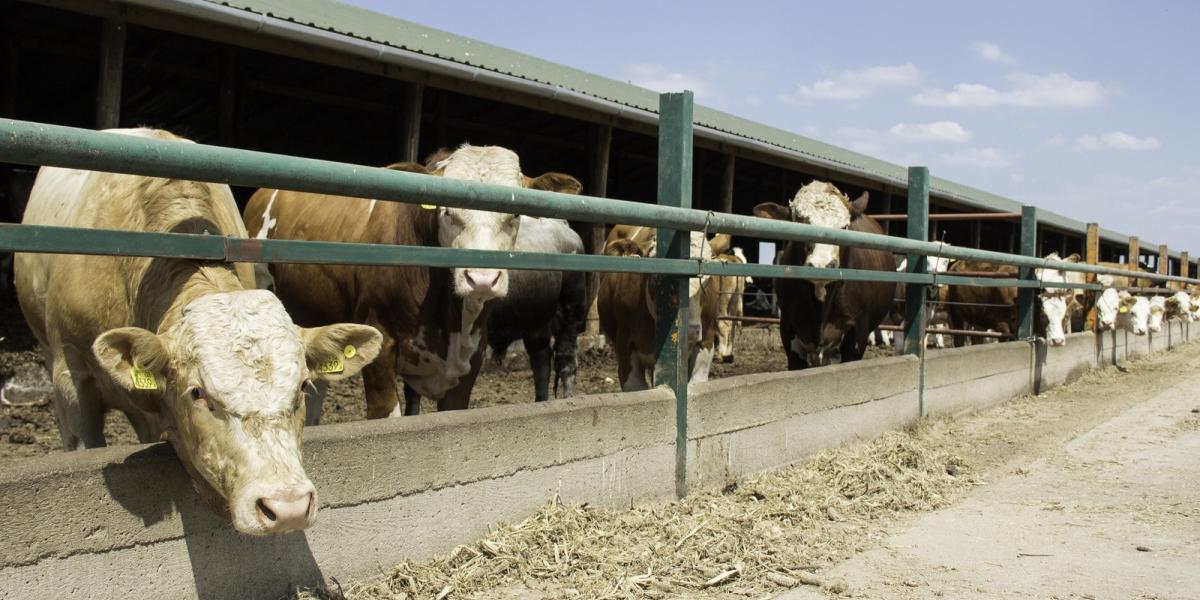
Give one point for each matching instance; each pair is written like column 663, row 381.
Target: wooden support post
column 599, row 150
column 727, row 181
column 976, row 239
column 1026, row 296
column 1185, row 267
column 1091, row 255
column 227, row 100
column 1164, row 260
column 112, row 63
column 1133, row 258
column 674, row 189
column 408, row 133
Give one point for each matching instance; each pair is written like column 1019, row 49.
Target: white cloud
column 992, row 53
column 1115, row 140
column 851, row 85
column 983, row 158
column 1056, row 90
column 938, row 131
column 1055, row 140
column 661, row 79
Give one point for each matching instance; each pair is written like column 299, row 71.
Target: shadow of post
column 152, row 485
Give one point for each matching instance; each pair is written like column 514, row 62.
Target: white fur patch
column 487, row 164
column 820, row 203
column 267, row 222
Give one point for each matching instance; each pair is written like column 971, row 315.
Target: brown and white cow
column 627, row 305
column 820, row 318
column 434, row 320
column 730, row 292
column 189, row 350
column 995, row 308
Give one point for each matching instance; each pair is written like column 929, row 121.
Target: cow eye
column 199, row 397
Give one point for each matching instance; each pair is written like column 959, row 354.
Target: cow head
column 822, row 204
column 484, row 230
column 1108, row 306
column 1179, row 306
column 699, row 249
column 1134, row 313
column 1055, row 302
column 229, row 378
column 1158, row 309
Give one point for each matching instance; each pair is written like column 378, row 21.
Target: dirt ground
column 31, row 430
column 1089, row 491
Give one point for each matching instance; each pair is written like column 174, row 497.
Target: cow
column 995, row 308
column 1113, row 305
column 627, row 304
column 188, row 349
column 819, row 318
column 730, row 292
column 433, row 320
column 936, row 315
column 542, row 306
column 1178, row 306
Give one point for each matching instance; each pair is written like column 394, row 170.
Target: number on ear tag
column 331, row 365
column 143, row 379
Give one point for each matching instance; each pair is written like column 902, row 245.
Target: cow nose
column 693, row 332
column 833, row 264
column 285, row 511
column 482, row 280
column 1057, row 341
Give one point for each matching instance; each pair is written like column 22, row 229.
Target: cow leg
column 379, row 381
column 412, row 401
column 78, row 406
column 537, row 345
column 631, row 372
column 566, row 342
column 314, row 402
column 701, row 364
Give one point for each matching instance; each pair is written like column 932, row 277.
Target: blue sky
column 1084, row 108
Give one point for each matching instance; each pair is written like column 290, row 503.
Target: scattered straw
column 750, row 539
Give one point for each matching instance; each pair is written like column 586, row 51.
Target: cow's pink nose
column 285, row 511
column 482, row 281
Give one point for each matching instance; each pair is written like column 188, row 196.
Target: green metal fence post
column 918, row 229
column 1025, row 296
column 674, row 189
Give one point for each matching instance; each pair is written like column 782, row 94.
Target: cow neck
column 169, row 286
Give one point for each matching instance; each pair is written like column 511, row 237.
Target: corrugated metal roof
column 362, row 24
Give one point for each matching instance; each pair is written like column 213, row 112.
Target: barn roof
column 314, row 21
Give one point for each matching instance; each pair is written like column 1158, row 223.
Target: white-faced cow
column 819, row 318
column 995, row 308
column 434, row 320
column 627, row 304
column 189, row 350
column 543, row 308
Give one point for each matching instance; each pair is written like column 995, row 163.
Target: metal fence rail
column 50, row 145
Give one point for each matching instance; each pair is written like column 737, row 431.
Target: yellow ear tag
column 349, row 351
column 1124, row 309
column 143, row 379
column 331, row 365
column 429, row 206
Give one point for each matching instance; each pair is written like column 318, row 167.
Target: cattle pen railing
column 49, row 145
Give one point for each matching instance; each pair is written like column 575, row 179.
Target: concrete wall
column 125, row 523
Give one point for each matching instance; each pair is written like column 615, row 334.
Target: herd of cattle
column 229, row 362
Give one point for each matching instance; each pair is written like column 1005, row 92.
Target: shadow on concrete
column 153, row 485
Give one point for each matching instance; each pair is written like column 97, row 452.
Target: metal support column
column 1025, row 296
column 674, row 189
column 918, row 229
column 112, row 64
column 592, row 234
column 408, row 130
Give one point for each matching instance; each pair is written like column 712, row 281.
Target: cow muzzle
column 483, row 283
column 284, row 511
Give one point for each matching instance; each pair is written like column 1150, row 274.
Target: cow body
column 628, row 312
column 543, row 308
column 189, row 350
column 819, row 319
column 962, row 302
column 433, row 320
column 730, row 292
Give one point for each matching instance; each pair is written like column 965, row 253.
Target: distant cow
column 542, row 306
column 819, row 318
column 730, row 292
column 189, row 350
column 434, row 320
column 995, row 308
column 627, row 303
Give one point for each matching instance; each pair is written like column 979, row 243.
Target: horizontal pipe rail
column 976, row 216
column 943, row 331
column 29, row 143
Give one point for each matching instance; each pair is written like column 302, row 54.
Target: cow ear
column 720, row 243
column 554, row 182
column 771, row 210
column 135, row 359
column 859, row 206
column 339, row 351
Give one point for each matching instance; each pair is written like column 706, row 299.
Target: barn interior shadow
column 152, row 484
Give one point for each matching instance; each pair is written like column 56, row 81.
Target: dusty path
column 1111, row 512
